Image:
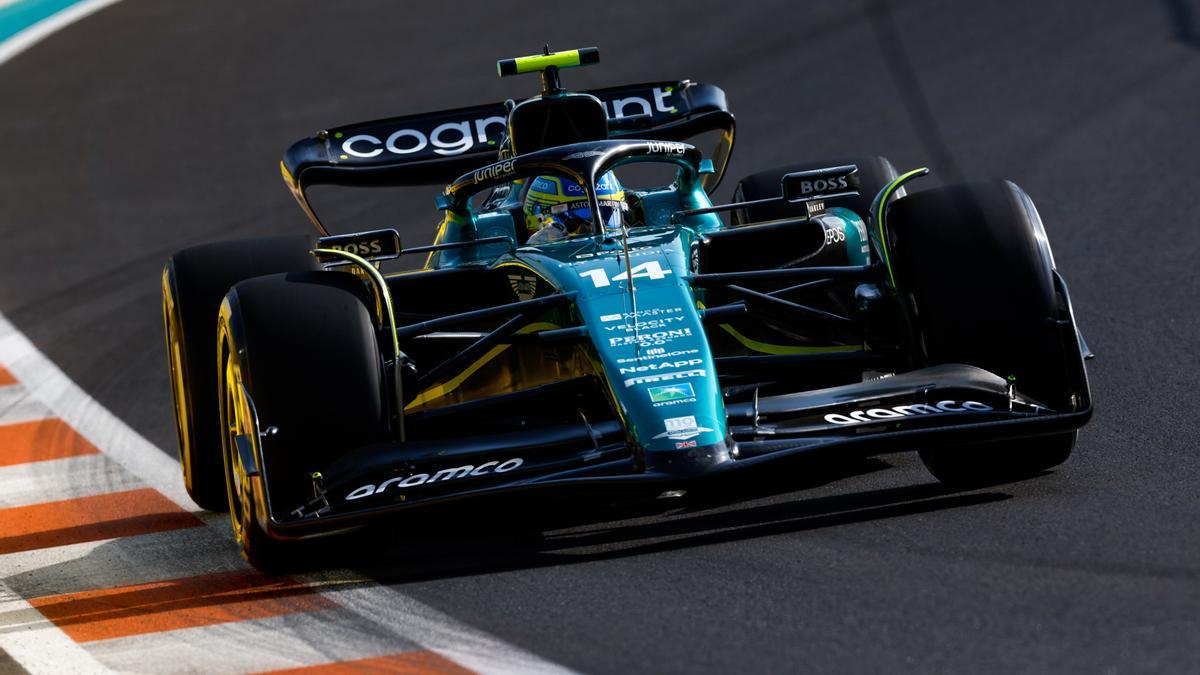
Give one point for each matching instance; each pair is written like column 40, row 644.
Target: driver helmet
column 562, row 203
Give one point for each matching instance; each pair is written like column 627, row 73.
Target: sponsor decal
column 634, row 251
column 658, row 353
column 640, row 105
column 642, row 313
column 494, row 170
column 458, row 136
column 896, row 412
column 681, row 428
column 665, row 147
column 455, row 473
column 671, row 392
column 523, row 285
column 361, row 248
column 645, row 324
column 834, row 234
column 664, row 377
column 818, row 185
column 365, row 244
column 657, row 338
column 651, row 367
column 451, row 138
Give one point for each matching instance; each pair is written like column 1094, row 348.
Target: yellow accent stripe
column 440, row 390
column 767, row 348
column 383, row 297
column 887, row 194
column 287, row 175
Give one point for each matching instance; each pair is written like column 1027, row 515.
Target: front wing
column 946, row 405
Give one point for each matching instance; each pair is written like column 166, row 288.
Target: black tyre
column 874, row 174
column 974, row 266
column 193, row 283
column 300, row 351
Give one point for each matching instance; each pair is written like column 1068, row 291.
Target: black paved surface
column 151, row 126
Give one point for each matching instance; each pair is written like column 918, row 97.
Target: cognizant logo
column 455, row 138
column 451, row 138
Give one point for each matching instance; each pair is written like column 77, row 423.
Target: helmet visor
column 577, row 216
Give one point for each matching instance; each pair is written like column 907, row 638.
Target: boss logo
column 818, row 185
column 363, row 248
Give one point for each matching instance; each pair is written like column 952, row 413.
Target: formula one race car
column 826, row 312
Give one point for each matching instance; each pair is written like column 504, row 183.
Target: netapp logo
column 445, row 474
column 651, row 367
column 877, row 414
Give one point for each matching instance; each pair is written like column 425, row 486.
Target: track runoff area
column 107, row 565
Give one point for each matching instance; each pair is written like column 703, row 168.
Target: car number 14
column 650, row 269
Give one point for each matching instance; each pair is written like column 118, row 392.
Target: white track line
column 46, row 27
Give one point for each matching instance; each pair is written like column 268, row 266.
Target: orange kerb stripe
column 39, row 441
column 410, row 663
column 117, row 514
column 6, row 377
column 179, row 603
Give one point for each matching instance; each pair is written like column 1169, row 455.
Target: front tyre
column 297, row 352
column 194, row 281
column 974, row 270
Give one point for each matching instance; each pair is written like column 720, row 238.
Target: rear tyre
column 193, row 283
column 974, row 267
column 299, row 350
column 874, row 173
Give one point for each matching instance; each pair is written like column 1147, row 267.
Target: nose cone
column 688, row 461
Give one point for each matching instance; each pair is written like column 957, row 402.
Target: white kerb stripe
column 37, row 644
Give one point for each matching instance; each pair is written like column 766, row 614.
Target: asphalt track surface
column 152, row 126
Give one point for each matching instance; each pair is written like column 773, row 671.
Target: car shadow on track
column 612, row 532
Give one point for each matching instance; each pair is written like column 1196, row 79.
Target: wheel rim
column 234, row 423
column 178, row 389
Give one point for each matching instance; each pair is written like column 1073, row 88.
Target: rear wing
column 436, row 148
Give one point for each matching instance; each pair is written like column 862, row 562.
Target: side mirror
column 374, row 245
